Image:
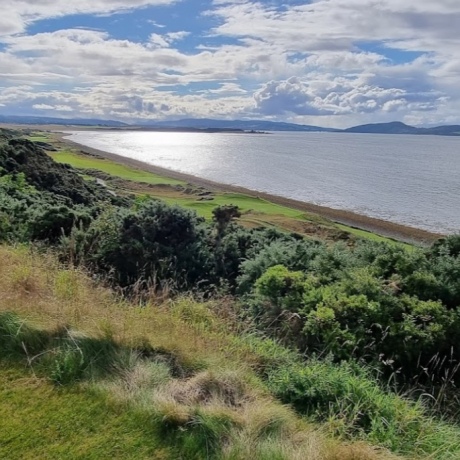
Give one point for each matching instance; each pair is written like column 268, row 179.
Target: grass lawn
column 37, row 138
column 39, row 421
column 372, row 236
column 110, row 167
column 244, row 202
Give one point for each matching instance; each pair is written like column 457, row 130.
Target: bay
column 412, row 180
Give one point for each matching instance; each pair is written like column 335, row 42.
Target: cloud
column 18, row 14
column 228, row 88
column 58, row 108
column 337, row 96
column 164, row 41
column 337, row 24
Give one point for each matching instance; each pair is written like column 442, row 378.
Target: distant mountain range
column 29, row 120
column 212, row 125
column 247, row 125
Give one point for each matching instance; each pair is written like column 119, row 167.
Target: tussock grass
column 355, row 406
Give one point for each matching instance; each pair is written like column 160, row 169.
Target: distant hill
column 451, row 130
column 397, row 127
column 26, row 120
column 247, row 125
column 394, row 127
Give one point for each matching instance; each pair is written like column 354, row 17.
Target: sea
column 407, row 179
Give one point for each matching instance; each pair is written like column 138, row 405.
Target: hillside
column 383, row 128
column 99, row 376
column 203, row 338
column 256, row 125
column 32, row 120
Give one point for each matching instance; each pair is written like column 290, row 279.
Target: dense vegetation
column 393, row 310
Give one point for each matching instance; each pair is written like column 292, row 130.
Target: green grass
column 356, row 406
column 40, row 421
column 248, row 203
column 113, row 168
column 37, row 138
column 244, row 202
column 198, row 386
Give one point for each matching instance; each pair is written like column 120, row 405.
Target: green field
column 112, row 168
column 372, row 236
column 244, row 202
column 38, row 138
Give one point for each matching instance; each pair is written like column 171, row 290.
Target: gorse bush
column 20, row 156
column 390, row 307
column 155, row 241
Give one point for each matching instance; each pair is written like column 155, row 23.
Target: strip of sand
column 385, row 228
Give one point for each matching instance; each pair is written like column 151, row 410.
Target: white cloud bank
column 330, row 62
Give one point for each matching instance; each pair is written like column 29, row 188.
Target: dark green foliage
column 224, row 215
column 154, row 242
column 393, row 308
column 39, row 198
column 27, row 214
column 40, row 171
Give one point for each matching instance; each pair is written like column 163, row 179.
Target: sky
column 332, row 63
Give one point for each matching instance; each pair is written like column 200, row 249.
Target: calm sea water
column 413, row 180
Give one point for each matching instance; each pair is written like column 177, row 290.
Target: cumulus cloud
column 337, row 96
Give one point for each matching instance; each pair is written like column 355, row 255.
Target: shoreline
column 400, row 232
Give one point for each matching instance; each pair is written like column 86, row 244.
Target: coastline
column 400, row 232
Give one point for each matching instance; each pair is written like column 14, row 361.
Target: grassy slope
column 77, row 422
column 191, row 406
column 40, row 421
column 110, row 167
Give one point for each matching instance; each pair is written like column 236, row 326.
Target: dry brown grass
column 49, row 296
